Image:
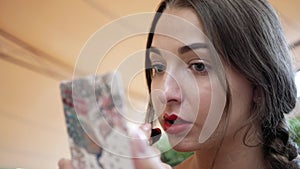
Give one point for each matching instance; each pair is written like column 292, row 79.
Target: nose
column 170, row 88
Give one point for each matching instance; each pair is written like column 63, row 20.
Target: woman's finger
column 150, row 160
column 65, row 164
column 145, row 156
column 153, row 135
column 146, row 128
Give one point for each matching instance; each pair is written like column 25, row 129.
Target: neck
column 231, row 154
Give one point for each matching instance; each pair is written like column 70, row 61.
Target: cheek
column 202, row 103
column 158, row 99
column 212, row 104
column 241, row 101
column 240, row 109
column 242, row 96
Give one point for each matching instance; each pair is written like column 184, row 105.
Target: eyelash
column 201, row 70
column 159, row 68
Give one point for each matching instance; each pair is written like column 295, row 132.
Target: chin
column 183, row 144
column 183, row 148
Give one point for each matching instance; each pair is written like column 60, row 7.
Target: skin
column 185, row 88
column 173, row 95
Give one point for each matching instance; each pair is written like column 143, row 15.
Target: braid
column 279, row 149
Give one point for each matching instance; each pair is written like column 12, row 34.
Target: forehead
column 180, row 24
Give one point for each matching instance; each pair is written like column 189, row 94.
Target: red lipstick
column 173, row 124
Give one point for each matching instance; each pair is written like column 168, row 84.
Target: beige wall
column 32, row 128
column 32, row 125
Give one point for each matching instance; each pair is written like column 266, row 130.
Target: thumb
column 153, row 135
column 146, row 128
column 65, row 164
column 145, row 156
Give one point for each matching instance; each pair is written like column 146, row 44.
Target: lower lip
column 176, row 128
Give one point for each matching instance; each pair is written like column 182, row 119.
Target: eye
column 158, row 68
column 198, row 67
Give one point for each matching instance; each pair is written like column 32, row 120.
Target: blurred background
column 40, row 41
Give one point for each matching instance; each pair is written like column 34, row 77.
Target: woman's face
column 188, row 94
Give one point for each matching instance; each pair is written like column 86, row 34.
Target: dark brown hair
column 248, row 36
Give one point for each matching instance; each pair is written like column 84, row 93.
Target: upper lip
column 173, row 119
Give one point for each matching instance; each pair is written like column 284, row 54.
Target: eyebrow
column 193, row 46
column 183, row 49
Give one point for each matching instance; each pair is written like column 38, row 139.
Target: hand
column 145, row 156
column 65, row 164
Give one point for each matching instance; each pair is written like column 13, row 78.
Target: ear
column 257, row 94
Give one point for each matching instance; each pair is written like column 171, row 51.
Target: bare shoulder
column 185, row 164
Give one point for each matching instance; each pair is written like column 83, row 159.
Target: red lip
column 173, row 124
column 171, row 117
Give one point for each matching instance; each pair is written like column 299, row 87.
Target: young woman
column 220, row 77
